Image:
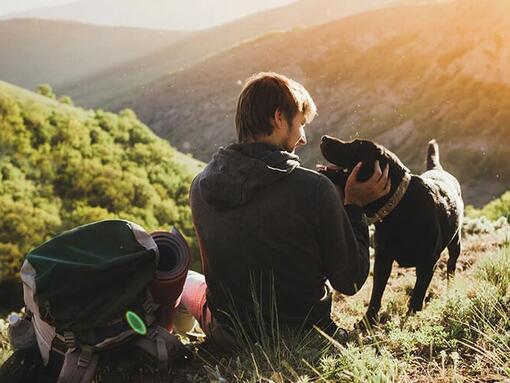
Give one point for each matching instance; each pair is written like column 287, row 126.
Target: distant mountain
column 399, row 76
column 155, row 14
column 111, row 88
column 58, row 52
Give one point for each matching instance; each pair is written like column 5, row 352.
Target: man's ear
column 279, row 119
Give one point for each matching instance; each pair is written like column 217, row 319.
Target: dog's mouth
column 333, row 168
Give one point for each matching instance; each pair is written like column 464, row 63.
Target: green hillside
column 62, row 166
column 400, row 76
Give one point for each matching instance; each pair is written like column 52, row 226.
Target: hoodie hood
column 238, row 171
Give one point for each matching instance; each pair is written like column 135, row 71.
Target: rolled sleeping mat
column 167, row 285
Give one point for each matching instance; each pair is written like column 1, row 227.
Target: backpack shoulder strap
column 79, row 366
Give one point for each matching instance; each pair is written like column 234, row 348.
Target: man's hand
column 362, row 193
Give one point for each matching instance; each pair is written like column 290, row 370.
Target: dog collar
column 392, row 202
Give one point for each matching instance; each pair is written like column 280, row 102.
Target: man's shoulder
column 194, row 182
column 194, row 186
column 310, row 175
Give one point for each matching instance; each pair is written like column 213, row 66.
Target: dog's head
column 345, row 156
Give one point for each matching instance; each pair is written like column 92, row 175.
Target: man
column 270, row 231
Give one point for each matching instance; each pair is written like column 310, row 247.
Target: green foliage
column 496, row 271
column 492, row 217
column 361, row 364
column 62, row 167
column 472, row 212
column 66, row 100
column 5, row 347
column 46, row 90
column 499, row 207
column 472, row 313
column 482, row 224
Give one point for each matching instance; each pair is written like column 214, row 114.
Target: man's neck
column 270, row 140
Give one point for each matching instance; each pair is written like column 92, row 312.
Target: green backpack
column 79, row 288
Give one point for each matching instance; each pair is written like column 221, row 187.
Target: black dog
column 415, row 222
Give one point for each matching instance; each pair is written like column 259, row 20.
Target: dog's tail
column 433, row 156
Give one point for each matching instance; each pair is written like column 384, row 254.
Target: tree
column 46, row 90
column 66, row 100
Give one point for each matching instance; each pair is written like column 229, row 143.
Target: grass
column 5, row 349
column 462, row 335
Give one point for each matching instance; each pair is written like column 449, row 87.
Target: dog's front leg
column 382, row 271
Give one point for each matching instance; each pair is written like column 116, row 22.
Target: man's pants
column 194, row 299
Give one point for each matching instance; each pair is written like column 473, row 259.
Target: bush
column 46, row 90
column 475, row 224
column 361, row 364
column 496, row 271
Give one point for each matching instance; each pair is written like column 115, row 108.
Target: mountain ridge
column 153, row 14
column 58, row 52
column 110, row 88
column 397, row 83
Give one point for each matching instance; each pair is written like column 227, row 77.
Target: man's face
column 294, row 135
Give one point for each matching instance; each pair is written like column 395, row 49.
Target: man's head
column 273, row 108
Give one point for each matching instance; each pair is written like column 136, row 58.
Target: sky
column 156, row 14
column 15, row 6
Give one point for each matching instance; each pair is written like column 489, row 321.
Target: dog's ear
column 369, row 152
column 388, row 157
column 373, row 152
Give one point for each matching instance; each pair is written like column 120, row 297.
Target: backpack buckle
column 46, row 314
column 85, row 357
column 147, row 307
column 69, row 339
column 153, row 333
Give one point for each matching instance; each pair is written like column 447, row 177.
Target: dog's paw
column 368, row 321
column 414, row 309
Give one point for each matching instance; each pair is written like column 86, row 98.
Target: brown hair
column 261, row 96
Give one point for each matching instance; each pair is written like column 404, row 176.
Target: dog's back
column 438, row 176
column 445, row 190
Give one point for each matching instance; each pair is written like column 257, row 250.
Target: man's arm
column 346, row 261
column 343, row 237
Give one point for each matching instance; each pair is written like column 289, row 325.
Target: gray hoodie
column 272, row 232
